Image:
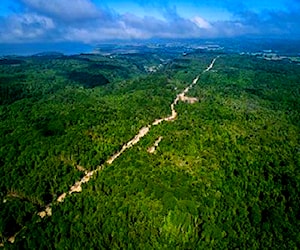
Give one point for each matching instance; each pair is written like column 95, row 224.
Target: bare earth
column 152, row 149
column 76, row 188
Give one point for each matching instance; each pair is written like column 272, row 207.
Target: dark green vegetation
column 225, row 175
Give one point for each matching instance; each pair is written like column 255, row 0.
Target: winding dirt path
column 76, row 188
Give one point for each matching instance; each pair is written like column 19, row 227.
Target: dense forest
column 226, row 172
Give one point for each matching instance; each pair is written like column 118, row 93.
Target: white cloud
column 33, row 19
column 20, row 28
column 64, row 9
column 201, row 23
column 82, row 21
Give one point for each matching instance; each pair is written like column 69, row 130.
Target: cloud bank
column 85, row 21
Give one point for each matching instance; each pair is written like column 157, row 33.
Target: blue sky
column 93, row 21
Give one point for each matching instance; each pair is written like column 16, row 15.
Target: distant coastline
column 28, row 49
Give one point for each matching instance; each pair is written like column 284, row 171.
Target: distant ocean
column 34, row 48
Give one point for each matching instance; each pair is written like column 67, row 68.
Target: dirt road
column 76, row 188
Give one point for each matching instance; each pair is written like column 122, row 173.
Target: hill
column 98, row 151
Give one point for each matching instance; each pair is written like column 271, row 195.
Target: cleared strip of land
column 142, row 132
column 76, row 188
